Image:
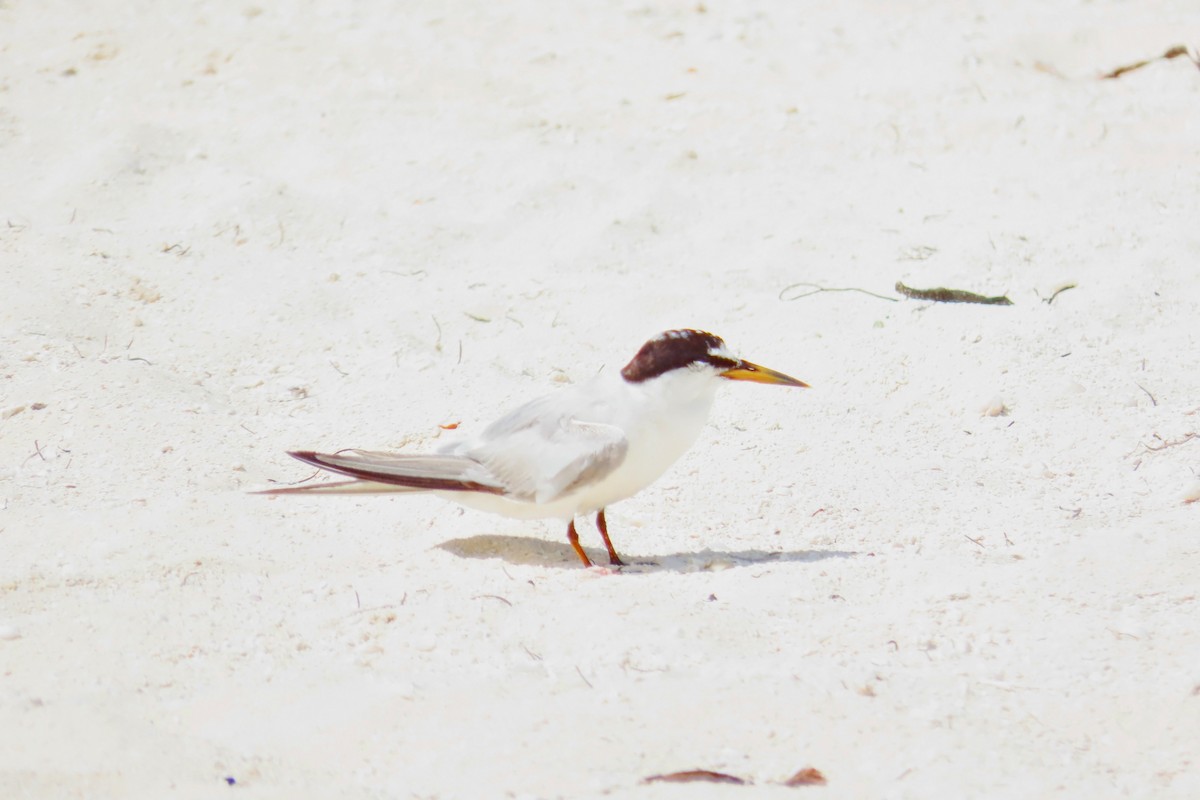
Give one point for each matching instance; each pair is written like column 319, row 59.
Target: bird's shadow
column 528, row 551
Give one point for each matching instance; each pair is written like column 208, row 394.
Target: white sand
column 230, row 229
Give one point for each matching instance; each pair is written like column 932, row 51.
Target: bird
column 571, row 453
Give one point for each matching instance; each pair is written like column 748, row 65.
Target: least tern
column 573, row 452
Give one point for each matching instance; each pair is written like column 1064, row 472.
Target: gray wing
column 542, row 462
column 538, row 453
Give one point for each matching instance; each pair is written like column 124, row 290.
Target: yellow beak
column 745, row 371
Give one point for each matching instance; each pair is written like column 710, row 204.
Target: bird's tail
column 376, row 472
column 343, row 487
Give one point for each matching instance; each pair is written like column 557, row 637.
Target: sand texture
column 963, row 565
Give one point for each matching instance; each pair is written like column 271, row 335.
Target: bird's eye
column 722, row 362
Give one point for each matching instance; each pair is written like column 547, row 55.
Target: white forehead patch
column 722, row 352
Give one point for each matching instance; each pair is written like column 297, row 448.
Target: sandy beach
column 964, row 564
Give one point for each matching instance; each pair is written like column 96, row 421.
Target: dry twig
column 943, row 295
column 693, row 775
column 814, row 288
column 1057, row 292
column 1171, row 52
column 1187, row 437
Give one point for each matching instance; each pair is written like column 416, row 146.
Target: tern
column 574, row 452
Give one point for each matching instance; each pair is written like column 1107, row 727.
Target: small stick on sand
column 1057, row 292
column 817, row 289
column 694, row 775
column 942, row 295
column 1171, row 52
column 1147, row 391
column 1187, row 437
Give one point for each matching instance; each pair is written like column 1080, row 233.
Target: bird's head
column 697, row 351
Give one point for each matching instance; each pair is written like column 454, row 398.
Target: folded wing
column 545, row 459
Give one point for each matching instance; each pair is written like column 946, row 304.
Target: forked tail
column 375, row 472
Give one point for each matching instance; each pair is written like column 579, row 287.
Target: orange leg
column 602, row 524
column 573, row 538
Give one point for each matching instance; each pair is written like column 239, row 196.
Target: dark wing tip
column 414, row 481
